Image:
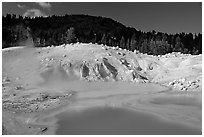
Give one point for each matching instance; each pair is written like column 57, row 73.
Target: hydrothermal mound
column 39, row 83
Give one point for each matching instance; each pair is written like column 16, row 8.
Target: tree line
column 57, row 30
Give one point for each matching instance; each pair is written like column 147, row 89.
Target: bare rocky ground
column 37, row 83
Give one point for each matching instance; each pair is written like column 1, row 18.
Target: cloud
column 34, row 13
column 45, row 5
column 21, row 6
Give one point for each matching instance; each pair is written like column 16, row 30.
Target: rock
column 6, row 79
column 47, row 59
column 185, row 88
column 189, row 82
column 109, row 54
column 197, row 80
column 181, row 88
column 18, row 88
column 182, row 80
column 174, row 81
column 197, row 86
column 171, row 83
column 44, row 129
column 194, row 81
column 188, row 85
column 85, row 71
column 194, row 86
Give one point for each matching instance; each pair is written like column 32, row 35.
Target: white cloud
column 34, row 13
column 21, row 6
column 45, row 5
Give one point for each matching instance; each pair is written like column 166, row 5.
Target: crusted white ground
column 37, row 81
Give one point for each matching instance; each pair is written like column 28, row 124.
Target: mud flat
column 118, row 121
column 39, row 85
column 175, row 116
column 180, row 110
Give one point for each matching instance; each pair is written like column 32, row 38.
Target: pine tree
column 122, row 42
column 70, row 36
column 133, row 42
column 179, row 45
column 103, row 39
column 128, row 45
column 53, row 30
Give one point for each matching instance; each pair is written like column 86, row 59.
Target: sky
column 169, row 17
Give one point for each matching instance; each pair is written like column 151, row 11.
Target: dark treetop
column 56, row 30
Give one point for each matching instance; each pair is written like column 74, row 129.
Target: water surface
column 117, row 121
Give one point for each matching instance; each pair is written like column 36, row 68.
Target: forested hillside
column 57, row 30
